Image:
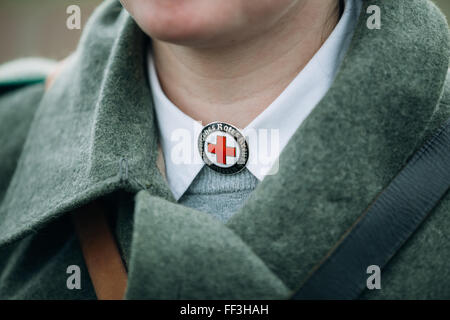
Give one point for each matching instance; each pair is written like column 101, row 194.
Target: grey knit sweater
column 218, row 194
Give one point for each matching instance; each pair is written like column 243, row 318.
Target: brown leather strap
column 101, row 255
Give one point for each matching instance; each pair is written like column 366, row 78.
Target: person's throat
column 235, row 83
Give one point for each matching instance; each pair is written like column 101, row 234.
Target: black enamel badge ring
column 223, row 148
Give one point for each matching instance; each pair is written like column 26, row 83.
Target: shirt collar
column 270, row 131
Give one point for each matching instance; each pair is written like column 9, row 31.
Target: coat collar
column 94, row 133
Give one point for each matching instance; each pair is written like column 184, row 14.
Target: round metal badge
column 223, row 148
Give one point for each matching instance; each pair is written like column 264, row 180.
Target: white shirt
column 271, row 130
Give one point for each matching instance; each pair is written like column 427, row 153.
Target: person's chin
column 192, row 38
column 182, row 36
column 192, row 31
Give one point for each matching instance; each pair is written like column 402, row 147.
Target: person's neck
column 234, row 83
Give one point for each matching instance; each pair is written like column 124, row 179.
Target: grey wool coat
column 65, row 147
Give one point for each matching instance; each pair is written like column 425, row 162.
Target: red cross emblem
column 221, row 150
column 212, row 146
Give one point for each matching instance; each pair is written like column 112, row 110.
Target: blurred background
column 38, row 28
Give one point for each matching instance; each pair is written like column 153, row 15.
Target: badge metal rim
column 244, row 151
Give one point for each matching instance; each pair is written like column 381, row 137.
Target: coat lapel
column 93, row 132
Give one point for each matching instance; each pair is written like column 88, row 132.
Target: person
column 228, row 144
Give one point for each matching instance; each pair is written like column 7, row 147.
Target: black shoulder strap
column 385, row 225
